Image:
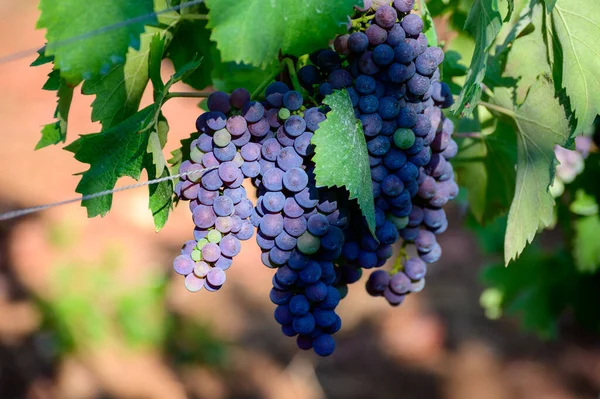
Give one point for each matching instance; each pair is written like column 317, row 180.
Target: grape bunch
column 220, row 159
column 315, row 238
column 392, row 78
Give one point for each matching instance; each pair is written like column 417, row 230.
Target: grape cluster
column 392, row 78
column 220, row 159
column 299, row 228
column 317, row 240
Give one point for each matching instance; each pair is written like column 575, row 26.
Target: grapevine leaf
column 87, row 38
column 429, row 26
column 550, row 4
column 577, row 27
column 161, row 194
column 119, row 92
column 341, row 157
column 541, row 123
column 511, row 9
column 586, row 247
column 192, row 39
column 254, row 31
column 584, row 204
column 486, row 168
column 56, row 132
column 157, row 49
column 484, row 23
column 182, row 153
column 528, row 57
column 114, row 153
column 42, row 58
column 156, row 142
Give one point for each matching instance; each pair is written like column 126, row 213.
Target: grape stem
column 469, row 135
column 201, row 17
column 188, row 94
column 498, row 109
column 293, row 75
column 266, row 82
column 400, row 260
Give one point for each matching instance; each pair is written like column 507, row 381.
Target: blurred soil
column 437, row 345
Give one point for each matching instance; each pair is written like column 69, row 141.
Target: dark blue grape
column 412, row 25
column 313, row 117
column 383, row 55
column 299, row 305
column 366, row 64
column 277, row 256
column 271, row 225
column 340, row 78
column 239, row 97
column 216, row 120
column 283, row 315
column 385, row 16
column 280, row 297
column 372, row 124
column 285, row 242
column 396, row 35
column 295, row 126
column 218, row 101
column 304, row 324
column 253, row 111
column 358, row 42
column 364, row 84
column 273, row 201
column 376, row 35
column 389, row 107
column 392, row 185
column 404, row 53
column 316, row 292
column 378, row 146
column 418, row 84
column 328, row 60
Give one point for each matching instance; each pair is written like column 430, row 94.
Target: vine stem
column 265, row 83
column 293, row 75
column 469, row 135
column 202, row 17
column 188, row 94
column 501, row 110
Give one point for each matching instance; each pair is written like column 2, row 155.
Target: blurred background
column 90, row 308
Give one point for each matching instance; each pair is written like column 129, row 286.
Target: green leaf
column 429, row 26
column 254, row 31
column 157, row 49
column 156, row 142
column 511, row 9
column 191, row 40
column 119, row 92
column 182, row 153
column 341, row 158
column 56, row 132
column 586, row 246
column 87, row 38
column 528, row 56
column 577, row 27
column 486, row 168
column 541, row 123
column 484, row 23
column 161, row 194
column 550, row 4
column 114, row 153
column 584, row 204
